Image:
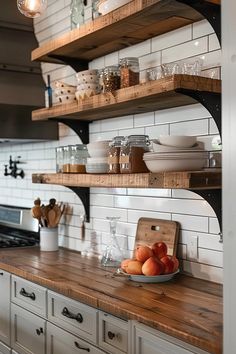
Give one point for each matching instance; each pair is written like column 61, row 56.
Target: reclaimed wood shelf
column 130, row 24
column 197, row 180
column 147, row 97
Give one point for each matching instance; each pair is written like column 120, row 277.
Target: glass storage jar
column 66, row 159
column 59, row 159
column 78, row 158
column 131, row 154
column 111, row 78
column 129, row 72
column 114, row 154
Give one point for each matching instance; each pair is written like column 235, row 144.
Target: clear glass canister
column 66, row 159
column 131, row 154
column 78, row 158
column 114, row 154
column 129, row 72
column 59, row 159
column 111, row 78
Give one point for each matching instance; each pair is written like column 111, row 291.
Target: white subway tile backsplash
column 185, row 50
column 195, row 216
column 172, row 39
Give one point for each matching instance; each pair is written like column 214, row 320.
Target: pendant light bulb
column 32, row 8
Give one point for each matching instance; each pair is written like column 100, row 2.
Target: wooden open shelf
column 128, row 25
column 197, row 180
column 147, row 97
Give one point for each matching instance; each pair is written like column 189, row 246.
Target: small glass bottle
column 76, row 13
column 131, row 154
column 114, row 154
column 95, row 12
column 48, row 93
column 111, row 78
column 129, row 72
column 112, row 255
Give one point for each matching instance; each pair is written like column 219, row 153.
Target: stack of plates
column 170, row 158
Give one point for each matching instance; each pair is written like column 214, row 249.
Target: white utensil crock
column 49, row 239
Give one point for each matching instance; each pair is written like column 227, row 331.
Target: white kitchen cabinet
column 29, row 295
column 62, row 342
column 146, row 340
column 28, row 331
column 113, row 334
column 73, row 316
column 4, row 349
column 5, row 286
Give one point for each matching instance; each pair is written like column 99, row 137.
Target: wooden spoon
column 52, row 218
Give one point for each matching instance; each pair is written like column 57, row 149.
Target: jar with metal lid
column 111, row 78
column 78, row 158
column 129, row 72
column 131, row 154
column 114, row 154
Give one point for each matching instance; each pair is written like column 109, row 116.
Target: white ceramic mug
column 49, row 238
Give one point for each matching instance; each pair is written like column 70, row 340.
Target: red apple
column 159, row 249
column 176, row 263
column 168, row 263
column 152, row 266
column 142, row 253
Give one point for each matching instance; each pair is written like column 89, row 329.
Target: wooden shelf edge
column 150, row 96
column 197, row 180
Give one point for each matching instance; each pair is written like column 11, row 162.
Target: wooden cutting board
column 151, row 230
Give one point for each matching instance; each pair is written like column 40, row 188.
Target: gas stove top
column 17, row 227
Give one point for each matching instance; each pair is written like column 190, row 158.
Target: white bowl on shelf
column 181, row 141
column 98, row 148
column 96, row 167
column 157, row 147
column 172, row 165
column 88, row 79
column 64, row 99
column 61, row 84
column 67, row 90
column 106, row 6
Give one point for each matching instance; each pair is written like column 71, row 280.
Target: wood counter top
column 186, row 308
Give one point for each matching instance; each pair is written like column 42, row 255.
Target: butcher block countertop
column 186, row 308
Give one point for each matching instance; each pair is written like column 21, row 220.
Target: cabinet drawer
column 61, row 342
column 27, row 332
column 148, row 340
column 73, row 316
column 113, row 334
column 4, row 349
column 5, row 284
column 29, row 295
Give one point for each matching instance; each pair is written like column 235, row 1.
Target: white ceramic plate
column 152, row 279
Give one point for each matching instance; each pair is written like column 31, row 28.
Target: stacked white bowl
column 64, row 93
column 175, row 153
column 98, row 152
column 88, row 84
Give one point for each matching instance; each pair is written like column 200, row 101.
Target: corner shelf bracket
column 210, row 100
column 211, row 11
column 214, row 198
column 84, row 194
column 76, row 64
column 81, row 128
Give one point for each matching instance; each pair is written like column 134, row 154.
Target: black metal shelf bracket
column 76, row 64
column 214, row 198
column 81, row 128
column 84, row 194
column 212, row 12
column 210, row 100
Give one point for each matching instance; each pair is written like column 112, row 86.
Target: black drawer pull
column 1, row 273
column 39, row 331
column 78, row 317
column 111, row 335
column 82, row 348
column 25, row 294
